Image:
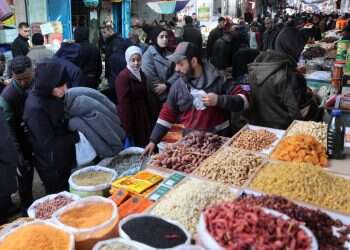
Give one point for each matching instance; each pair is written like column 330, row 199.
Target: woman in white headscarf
column 133, row 108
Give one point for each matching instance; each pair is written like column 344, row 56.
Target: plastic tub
column 86, row 238
column 86, row 191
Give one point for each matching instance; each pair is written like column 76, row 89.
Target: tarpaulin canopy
column 167, row 7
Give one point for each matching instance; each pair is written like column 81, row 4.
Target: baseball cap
column 185, row 50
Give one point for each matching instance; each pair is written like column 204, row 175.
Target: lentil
column 241, row 226
column 230, row 166
column 87, row 216
column 301, row 148
column 255, row 140
column 315, row 129
column 195, row 195
column 45, row 209
column 306, row 183
column 36, row 236
column 92, row 178
column 154, row 232
column 320, row 223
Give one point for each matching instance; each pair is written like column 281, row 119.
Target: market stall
column 198, row 185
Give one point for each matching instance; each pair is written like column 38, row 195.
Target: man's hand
column 149, row 149
column 159, row 88
column 210, row 100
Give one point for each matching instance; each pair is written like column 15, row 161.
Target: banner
column 204, row 10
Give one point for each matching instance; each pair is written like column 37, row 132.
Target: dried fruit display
column 255, row 140
column 320, row 223
column 189, row 153
column 306, row 183
column 315, row 129
column 195, row 195
column 301, row 148
column 240, row 226
column 314, row 52
column 230, row 166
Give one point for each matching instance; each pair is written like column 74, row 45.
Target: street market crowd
column 53, row 109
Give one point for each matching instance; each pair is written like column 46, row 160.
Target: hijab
column 290, row 42
column 154, row 38
column 132, row 50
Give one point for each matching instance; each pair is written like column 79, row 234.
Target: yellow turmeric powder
column 36, row 236
column 90, row 215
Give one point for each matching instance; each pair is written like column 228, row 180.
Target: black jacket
column 214, row 35
column 20, row 46
column 90, row 63
column 269, row 38
column 193, row 35
column 8, row 160
column 53, row 144
column 114, row 44
column 277, row 90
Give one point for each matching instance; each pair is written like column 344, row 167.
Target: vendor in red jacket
column 200, row 99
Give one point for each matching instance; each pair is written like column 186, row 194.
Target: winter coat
column 114, row 44
column 117, row 64
column 225, row 47
column 8, row 160
column 269, row 38
column 76, row 75
column 20, row 46
column 69, row 51
column 12, row 101
column 182, row 104
column 38, row 54
column 53, row 144
column 193, row 35
column 91, row 113
column 158, row 69
column 277, row 90
column 214, row 35
column 133, row 108
column 240, row 61
column 90, row 63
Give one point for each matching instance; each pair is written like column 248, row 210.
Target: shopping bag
column 84, row 151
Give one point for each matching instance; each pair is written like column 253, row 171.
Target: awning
column 167, row 7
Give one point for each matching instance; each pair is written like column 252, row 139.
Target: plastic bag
column 142, row 246
column 209, row 242
column 86, row 233
column 100, row 187
column 31, row 209
column 84, row 151
column 71, row 245
column 197, row 98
